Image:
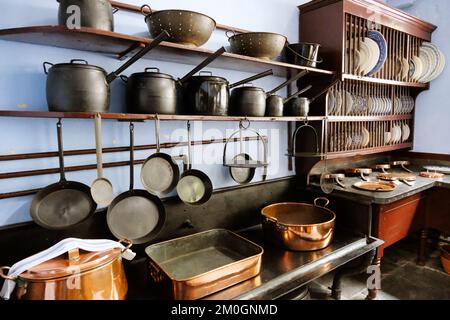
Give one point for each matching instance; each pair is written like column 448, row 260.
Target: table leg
column 422, row 258
column 372, row 293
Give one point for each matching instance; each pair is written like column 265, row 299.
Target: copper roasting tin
column 198, row 265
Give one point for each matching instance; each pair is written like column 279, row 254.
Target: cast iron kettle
column 80, row 87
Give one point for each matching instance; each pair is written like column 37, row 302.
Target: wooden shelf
column 353, row 153
column 146, row 117
column 388, row 82
column 369, row 118
column 117, row 44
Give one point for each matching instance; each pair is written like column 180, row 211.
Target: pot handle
column 305, row 58
column 203, row 64
column 45, row 64
column 164, row 35
column 209, row 73
column 5, row 275
column 149, row 10
column 151, row 68
column 128, row 244
column 78, row 60
column 115, row 10
column 124, row 78
column 327, row 202
column 298, row 93
column 233, row 33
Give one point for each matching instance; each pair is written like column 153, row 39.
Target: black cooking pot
column 248, row 101
column 96, row 14
column 151, row 92
column 207, row 95
column 80, row 87
column 210, row 95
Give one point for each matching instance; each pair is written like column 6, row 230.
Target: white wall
column 432, row 123
column 22, row 87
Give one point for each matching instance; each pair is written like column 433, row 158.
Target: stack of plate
column 428, row 65
column 403, row 105
column 372, row 54
column 398, row 134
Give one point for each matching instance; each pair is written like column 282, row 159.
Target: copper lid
column 74, row 262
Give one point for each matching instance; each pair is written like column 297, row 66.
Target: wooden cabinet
column 397, row 220
column 340, row 27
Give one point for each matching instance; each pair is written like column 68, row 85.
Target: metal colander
column 262, row 45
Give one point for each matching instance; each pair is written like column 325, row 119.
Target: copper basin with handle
column 299, row 226
column 77, row 275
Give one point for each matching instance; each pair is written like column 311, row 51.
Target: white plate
column 338, row 96
column 419, row 71
column 426, row 63
column 364, row 59
column 405, row 69
column 348, row 103
column 436, row 54
column 331, row 102
column 374, row 56
column 366, row 137
column 405, row 132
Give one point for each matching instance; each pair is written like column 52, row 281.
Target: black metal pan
column 135, row 215
column 159, row 173
column 194, row 186
column 63, row 204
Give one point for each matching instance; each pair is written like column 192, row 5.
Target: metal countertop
column 402, row 191
column 283, row 271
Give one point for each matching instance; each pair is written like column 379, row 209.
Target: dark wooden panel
column 399, row 219
column 438, row 210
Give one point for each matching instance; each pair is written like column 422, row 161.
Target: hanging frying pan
column 63, row 204
column 102, row 190
column 135, row 215
column 194, row 186
column 160, row 173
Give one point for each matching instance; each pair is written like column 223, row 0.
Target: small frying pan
column 135, row 215
column 63, row 204
column 160, row 173
column 102, row 190
column 194, row 186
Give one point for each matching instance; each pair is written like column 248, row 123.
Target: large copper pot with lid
column 76, row 275
column 299, row 226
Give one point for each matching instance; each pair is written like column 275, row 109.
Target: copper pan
column 77, row 275
column 299, row 226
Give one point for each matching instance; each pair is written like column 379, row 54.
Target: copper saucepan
column 299, row 226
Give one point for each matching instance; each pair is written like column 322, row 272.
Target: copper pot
column 78, row 275
column 299, row 226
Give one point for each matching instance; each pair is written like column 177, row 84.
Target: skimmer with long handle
column 102, row 190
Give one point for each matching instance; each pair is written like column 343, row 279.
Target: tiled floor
column 401, row 278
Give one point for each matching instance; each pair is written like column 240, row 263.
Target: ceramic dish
column 374, row 55
column 375, row 186
column 379, row 39
column 439, row 169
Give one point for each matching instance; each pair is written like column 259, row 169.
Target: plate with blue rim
column 382, row 44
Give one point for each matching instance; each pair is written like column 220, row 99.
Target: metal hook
column 241, row 124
